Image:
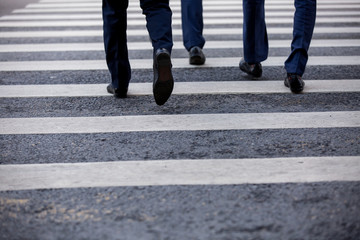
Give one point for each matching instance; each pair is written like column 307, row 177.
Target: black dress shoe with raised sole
column 118, row 93
column 294, row 82
column 163, row 80
column 196, row 56
column 254, row 70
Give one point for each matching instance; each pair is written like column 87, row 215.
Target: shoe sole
column 164, row 84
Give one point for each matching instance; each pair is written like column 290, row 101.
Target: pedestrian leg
column 255, row 39
column 304, row 22
column 192, row 23
column 158, row 22
column 158, row 18
column 114, row 26
column 192, row 29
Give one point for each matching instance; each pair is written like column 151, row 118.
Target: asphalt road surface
column 227, row 157
column 6, row 6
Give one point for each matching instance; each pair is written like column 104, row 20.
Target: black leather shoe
column 196, row 56
column 118, row 93
column 294, row 82
column 254, row 70
column 163, row 80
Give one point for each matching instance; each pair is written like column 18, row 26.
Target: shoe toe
column 118, row 93
column 162, row 91
column 295, row 83
column 196, row 56
column 254, row 70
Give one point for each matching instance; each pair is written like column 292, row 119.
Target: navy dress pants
column 158, row 18
column 256, row 40
column 192, row 23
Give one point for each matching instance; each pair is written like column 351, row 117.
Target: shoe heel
column 163, row 60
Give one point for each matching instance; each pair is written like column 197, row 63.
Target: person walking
column 158, row 17
column 192, row 29
column 256, row 41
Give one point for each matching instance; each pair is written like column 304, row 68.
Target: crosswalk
column 49, row 36
column 61, row 47
column 182, row 88
column 63, row 65
column 89, row 15
column 176, row 32
column 180, row 172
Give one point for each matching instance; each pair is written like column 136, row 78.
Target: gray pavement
column 267, row 211
column 310, row 210
column 6, row 6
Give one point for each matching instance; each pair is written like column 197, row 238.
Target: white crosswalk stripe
column 53, row 47
column 193, row 122
column 179, row 172
column 98, row 16
column 176, row 32
column 176, row 8
column 65, row 65
column 221, row 18
column 181, row 88
column 87, row 23
column 205, row 2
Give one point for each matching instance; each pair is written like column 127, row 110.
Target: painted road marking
column 179, row 172
column 181, row 88
column 176, row 15
column 182, row 122
column 141, row 22
column 176, row 32
column 65, row 65
column 99, row 46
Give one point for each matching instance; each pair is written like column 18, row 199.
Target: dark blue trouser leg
column 192, row 23
column 304, row 22
column 114, row 17
column 254, row 31
column 158, row 18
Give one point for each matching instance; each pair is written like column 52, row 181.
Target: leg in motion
column 158, row 18
column 115, row 41
column 192, row 29
column 304, row 22
column 254, row 37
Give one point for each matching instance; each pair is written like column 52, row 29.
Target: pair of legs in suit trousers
column 158, row 18
column 256, row 40
column 192, row 28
